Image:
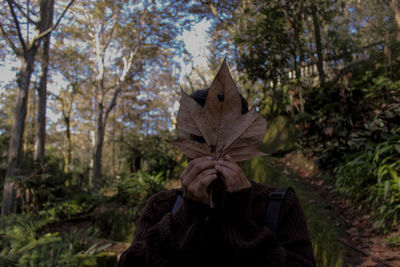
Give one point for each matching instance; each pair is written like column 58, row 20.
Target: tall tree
column 42, row 89
column 318, row 43
column 123, row 37
column 394, row 4
column 25, row 49
column 268, row 46
column 74, row 68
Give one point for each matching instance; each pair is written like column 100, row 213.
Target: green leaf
column 387, row 189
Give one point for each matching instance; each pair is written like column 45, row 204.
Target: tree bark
column 394, row 4
column 68, row 155
column 317, row 34
column 101, row 122
column 96, row 177
column 17, row 131
column 26, row 55
column 102, row 42
column 42, row 90
column 66, row 104
column 113, row 146
column 298, row 53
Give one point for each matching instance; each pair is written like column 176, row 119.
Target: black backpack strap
column 274, row 206
column 177, row 204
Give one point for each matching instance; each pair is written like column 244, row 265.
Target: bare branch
column 8, row 40
column 113, row 101
column 49, row 30
column 99, row 55
column 203, row 79
column 27, row 23
column 16, row 21
column 115, row 18
column 63, row 108
column 26, row 14
column 187, row 77
column 127, row 64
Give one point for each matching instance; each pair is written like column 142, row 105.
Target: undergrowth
column 22, row 244
column 352, row 130
column 370, row 178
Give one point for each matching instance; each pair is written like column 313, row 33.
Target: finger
column 198, row 189
column 193, row 162
column 228, row 158
column 188, row 180
column 199, row 167
column 201, row 186
column 228, row 173
column 229, row 164
column 206, row 173
column 205, row 181
column 233, row 166
column 187, row 176
column 232, row 180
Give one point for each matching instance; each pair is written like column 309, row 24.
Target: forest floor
column 366, row 245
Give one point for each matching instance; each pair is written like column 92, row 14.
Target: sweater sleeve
column 259, row 243
column 161, row 236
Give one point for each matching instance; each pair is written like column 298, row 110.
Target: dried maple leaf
column 219, row 128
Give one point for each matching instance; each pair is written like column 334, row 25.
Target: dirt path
column 366, row 247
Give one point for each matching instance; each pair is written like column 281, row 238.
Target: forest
column 89, row 95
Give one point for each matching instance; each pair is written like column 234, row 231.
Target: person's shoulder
column 263, row 190
column 165, row 196
column 161, row 203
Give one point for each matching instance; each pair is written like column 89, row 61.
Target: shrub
column 117, row 218
column 151, row 154
column 370, row 177
column 81, row 204
column 338, row 116
column 21, row 244
column 139, row 187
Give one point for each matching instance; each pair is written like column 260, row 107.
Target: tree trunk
column 394, row 4
column 68, row 143
column 297, row 67
column 26, row 54
column 17, row 131
column 96, row 175
column 299, row 83
column 317, row 33
column 28, row 138
column 298, row 58
column 42, row 90
column 103, row 110
column 113, row 146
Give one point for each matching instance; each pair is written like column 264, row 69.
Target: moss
column 280, row 135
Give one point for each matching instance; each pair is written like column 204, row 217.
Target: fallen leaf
column 219, row 128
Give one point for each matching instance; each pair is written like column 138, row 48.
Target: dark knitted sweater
column 231, row 235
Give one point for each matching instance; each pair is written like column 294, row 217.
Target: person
column 232, row 233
